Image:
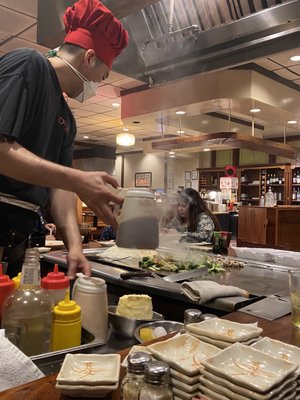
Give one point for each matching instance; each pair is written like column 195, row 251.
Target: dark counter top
column 259, row 280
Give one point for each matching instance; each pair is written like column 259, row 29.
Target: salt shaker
column 191, row 315
column 134, row 379
column 156, row 385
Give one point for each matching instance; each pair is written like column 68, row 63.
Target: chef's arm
column 63, row 210
column 18, row 163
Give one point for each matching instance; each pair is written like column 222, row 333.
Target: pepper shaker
column 134, row 379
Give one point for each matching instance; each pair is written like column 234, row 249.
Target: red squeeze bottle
column 7, row 286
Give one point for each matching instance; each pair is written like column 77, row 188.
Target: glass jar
column 134, row 379
column 156, row 386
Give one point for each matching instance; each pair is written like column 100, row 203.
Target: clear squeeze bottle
column 27, row 312
column 66, row 324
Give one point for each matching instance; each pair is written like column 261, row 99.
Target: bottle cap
column 157, row 372
column 5, row 280
column 17, row 280
column 55, row 280
column 136, row 362
column 90, row 285
column 192, row 315
column 67, row 310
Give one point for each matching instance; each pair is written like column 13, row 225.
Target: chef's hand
column 77, row 262
column 93, row 191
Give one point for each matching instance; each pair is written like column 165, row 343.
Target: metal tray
column 50, row 363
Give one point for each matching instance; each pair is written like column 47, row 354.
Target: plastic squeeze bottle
column 56, row 284
column 27, row 312
column 6, row 288
column 17, row 280
column 66, row 324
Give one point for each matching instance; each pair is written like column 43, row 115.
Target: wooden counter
column 44, row 388
column 274, row 227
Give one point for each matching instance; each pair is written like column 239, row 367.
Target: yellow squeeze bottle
column 66, row 324
column 17, row 280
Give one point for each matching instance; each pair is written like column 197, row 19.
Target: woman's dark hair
column 196, row 207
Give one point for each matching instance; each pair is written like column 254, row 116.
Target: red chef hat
column 89, row 24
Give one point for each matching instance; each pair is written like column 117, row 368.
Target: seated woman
column 194, row 219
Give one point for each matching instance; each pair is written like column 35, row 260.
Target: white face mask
column 89, row 87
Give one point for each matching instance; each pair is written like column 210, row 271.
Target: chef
column 37, row 131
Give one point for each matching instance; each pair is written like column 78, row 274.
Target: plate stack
column 223, row 333
column 184, row 354
column 241, row 372
column 89, row 375
column 276, row 348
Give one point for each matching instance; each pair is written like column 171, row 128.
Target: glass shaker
column 156, row 386
column 134, row 379
column 191, row 315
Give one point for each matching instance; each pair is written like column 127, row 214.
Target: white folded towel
column 204, row 291
column 16, row 368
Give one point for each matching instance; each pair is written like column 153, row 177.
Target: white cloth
column 204, row 291
column 16, row 368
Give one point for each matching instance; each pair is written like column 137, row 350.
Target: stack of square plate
column 241, row 373
column 223, row 333
column 89, row 375
column 184, row 354
column 276, row 348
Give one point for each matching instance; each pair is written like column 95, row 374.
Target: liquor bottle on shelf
column 298, row 177
column 280, row 178
column 294, row 194
column 298, row 195
column 294, row 177
column 268, row 179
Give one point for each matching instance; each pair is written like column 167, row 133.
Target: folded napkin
column 203, row 291
column 16, row 368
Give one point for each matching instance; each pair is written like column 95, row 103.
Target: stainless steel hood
column 171, row 39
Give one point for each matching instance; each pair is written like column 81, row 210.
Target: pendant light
column 125, row 139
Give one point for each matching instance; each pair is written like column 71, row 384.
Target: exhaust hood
column 171, row 39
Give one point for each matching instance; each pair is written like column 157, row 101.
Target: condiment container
column 66, row 324
column 91, row 295
column 27, row 312
column 17, row 280
column 138, row 223
column 56, row 284
column 134, row 379
column 156, row 385
column 6, row 288
column 191, row 315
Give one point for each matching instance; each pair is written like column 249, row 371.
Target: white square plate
column 90, row 369
column 276, row 348
column 189, row 380
column 277, row 390
column 86, row 391
column 222, row 329
column 249, row 367
column 221, row 344
column 183, row 386
column 217, row 396
column 183, row 353
column 236, row 396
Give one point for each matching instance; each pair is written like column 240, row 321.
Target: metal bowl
column 169, row 326
column 124, row 326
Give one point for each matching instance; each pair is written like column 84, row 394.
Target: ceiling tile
column 114, row 76
column 128, row 83
column 285, row 73
column 284, row 57
column 13, row 22
column 97, row 108
column 268, row 64
column 78, row 113
column 295, row 69
column 109, row 91
column 28, row 7
column 17, row 43
column 29, row 34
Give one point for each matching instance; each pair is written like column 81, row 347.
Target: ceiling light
column 180, row 131
column 295, row 58
column 255, row 110
column 86, row 137
column 115, row 105
column 172, row 156
column 125, row 139
column 291, row 122
column 206, row 149
column 180, row 112
column 125, row 129
column 171, row 152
